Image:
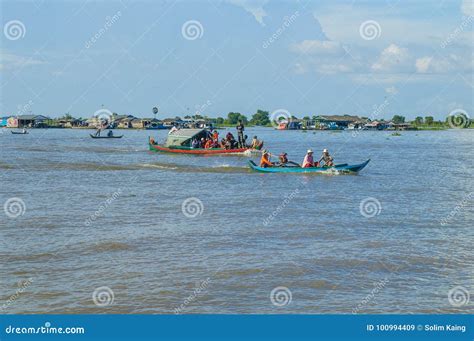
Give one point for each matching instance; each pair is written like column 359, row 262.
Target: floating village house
column 36, row 121
column 337, row 122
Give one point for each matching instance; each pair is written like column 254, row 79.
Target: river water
column 105, row 226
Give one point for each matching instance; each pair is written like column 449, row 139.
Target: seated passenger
column 283, row 159
column 110, row 133
column 308, row 160
column 265, row 160
column 328, row 159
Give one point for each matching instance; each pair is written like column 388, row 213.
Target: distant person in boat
column 195, row 143
column 256, row 143
column 240, row 134
column 328, row 159
column 308, row 160
column 215, row 135
column 110, row 133
column 152, row 140
column 231, row 140
column 24, row 131
column 208, row 144
column 97, row 132
column 265, row 160
column 202, row 143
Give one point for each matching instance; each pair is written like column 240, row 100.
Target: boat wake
column 216, row 168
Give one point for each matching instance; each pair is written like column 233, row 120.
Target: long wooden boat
column 179, row 142
column 106, row 137
column 344, row 168
column 19, row 132
column 200, row 151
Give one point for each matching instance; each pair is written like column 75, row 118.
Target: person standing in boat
column 308, row 160
column 328, row 159
column 240, row 134
column 97, row 132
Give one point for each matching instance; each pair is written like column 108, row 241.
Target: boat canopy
column 183, row 137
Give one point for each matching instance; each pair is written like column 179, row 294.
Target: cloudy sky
column 371, row 58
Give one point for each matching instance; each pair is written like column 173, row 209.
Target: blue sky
column 370, row 58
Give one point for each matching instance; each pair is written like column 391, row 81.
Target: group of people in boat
column 326, row 160
column 211, row 139
column 228, row 142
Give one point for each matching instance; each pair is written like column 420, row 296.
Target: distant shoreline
column 252, row 126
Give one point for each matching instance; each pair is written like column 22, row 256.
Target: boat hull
column 196, row 151
column 344, row 168
column 18, row 133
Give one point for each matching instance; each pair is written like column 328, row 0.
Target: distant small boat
column 19, row 132
column 344, row 168
column 106, row 137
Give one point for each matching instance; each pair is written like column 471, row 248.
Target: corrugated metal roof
column 186, row 132
column 31, row 117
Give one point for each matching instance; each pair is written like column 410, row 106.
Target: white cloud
column 254, row 7
column 398, row 23
column 467, row 7
column 11, row 61
column 422, row 64
column 391, row 90
column 392, row 59
column 318, row 47
column 436, row 65
column 323, row 56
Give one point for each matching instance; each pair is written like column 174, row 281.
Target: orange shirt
column 208, row 144
column 265, row 161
